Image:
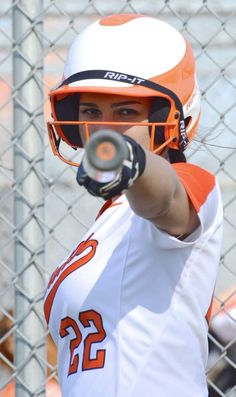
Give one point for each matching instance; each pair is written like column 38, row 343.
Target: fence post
column 28, row 167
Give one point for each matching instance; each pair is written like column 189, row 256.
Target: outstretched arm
column 151, row 185
column 159, row 196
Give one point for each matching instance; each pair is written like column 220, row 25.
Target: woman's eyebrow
column 113, row 105
column 88, row 104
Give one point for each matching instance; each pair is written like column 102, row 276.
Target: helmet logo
column 121, row 76
column 183, row 135
column 191, row 99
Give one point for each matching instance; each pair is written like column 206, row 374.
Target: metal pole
column 28, row 166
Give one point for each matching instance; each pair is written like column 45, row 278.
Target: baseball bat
column 104, row 155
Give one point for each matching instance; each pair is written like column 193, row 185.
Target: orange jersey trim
column 108, row 204
column 197, row 182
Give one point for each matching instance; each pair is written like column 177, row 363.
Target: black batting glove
column 132, row 169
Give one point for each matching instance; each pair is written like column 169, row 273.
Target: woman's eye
column 127, row 112
column 91, row 113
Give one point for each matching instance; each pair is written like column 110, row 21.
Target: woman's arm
column 159, row 196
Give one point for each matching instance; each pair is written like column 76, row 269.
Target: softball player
column 128, row 308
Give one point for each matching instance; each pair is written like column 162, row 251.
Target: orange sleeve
column 197, row 182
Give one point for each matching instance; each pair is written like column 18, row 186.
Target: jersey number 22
column 85, row 319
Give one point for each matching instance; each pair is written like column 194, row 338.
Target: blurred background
column 43, row 212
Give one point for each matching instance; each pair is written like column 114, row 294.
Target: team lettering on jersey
column 73, row 328
column 86, row 251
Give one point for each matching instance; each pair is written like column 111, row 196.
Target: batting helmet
column 133, row 55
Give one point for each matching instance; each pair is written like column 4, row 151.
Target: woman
column 128, row 308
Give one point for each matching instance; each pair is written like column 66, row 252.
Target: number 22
column 87, row 362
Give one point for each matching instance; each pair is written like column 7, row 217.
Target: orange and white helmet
column 133, row 55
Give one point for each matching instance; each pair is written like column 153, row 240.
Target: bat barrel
column 104, row 155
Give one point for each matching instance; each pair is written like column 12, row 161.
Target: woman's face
column 116, row 108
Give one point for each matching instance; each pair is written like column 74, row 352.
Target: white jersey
column 127, row 309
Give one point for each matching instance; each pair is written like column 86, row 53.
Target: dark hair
column 176, row 156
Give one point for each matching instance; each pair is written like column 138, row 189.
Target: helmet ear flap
column 159, row 111
column 67, row 109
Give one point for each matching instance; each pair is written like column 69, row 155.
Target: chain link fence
column 43, row 213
